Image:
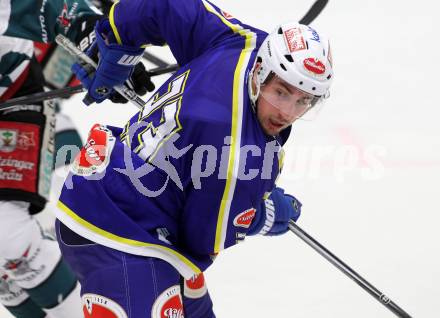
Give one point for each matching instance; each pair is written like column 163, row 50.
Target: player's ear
column 257, row 67
column 254, row 75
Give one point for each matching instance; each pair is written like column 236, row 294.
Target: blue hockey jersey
column 183, row 179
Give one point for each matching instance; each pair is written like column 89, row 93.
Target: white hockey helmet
column 297, row 54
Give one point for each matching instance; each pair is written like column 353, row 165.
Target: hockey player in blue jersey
column 146, row 209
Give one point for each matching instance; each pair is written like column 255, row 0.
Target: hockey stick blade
column 344, row 268
column 313, row 12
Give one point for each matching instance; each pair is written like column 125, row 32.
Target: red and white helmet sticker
column 244, row 219
column 95, row 154
column 314, row 66
column 97, row 306
column 169, row 304
column 294, row 40
column 195, row 287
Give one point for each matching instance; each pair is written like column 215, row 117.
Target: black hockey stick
column 308, row 18
column 38, row 97
column 313, row 12
column 69, row 91
column 373, row 291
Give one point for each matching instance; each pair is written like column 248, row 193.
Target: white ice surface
column 382, row 218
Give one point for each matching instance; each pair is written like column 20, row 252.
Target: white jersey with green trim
column 15, row 55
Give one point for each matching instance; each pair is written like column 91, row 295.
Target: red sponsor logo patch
column 314, row 65
column 19, row 155
column 26, row 140
column 97, row 306
column 244, row 219
column 294, row 40
column 94, row 156
column 168, row 304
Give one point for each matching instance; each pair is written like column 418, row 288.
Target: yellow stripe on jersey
column 111, row 17
column 119, row 239
column 237, row 115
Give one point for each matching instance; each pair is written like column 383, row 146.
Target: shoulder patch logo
column 95, row 306
column 244, row 219
column 95, row 154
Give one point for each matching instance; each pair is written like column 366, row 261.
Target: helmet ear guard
column 299, row 55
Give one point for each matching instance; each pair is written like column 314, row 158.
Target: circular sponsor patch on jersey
column 169, row 304
column 195, row 287
column 97, row 306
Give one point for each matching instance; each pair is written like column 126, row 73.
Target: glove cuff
column 264, row 219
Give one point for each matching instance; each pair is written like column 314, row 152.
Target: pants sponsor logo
column 168, row 304
column 21, row 269
column 95, row 306
column 9, row 291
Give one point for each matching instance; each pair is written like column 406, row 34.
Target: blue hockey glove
column 116, row 63
column 274, row 213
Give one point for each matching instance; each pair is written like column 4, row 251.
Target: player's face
column 280, row 104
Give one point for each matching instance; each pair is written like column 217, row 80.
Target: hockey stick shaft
column 313, row 12
column 69, row 91
column 38, row 97
column 154, row 59
column 348, row 271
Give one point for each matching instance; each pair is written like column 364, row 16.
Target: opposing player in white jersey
column 34, row 281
